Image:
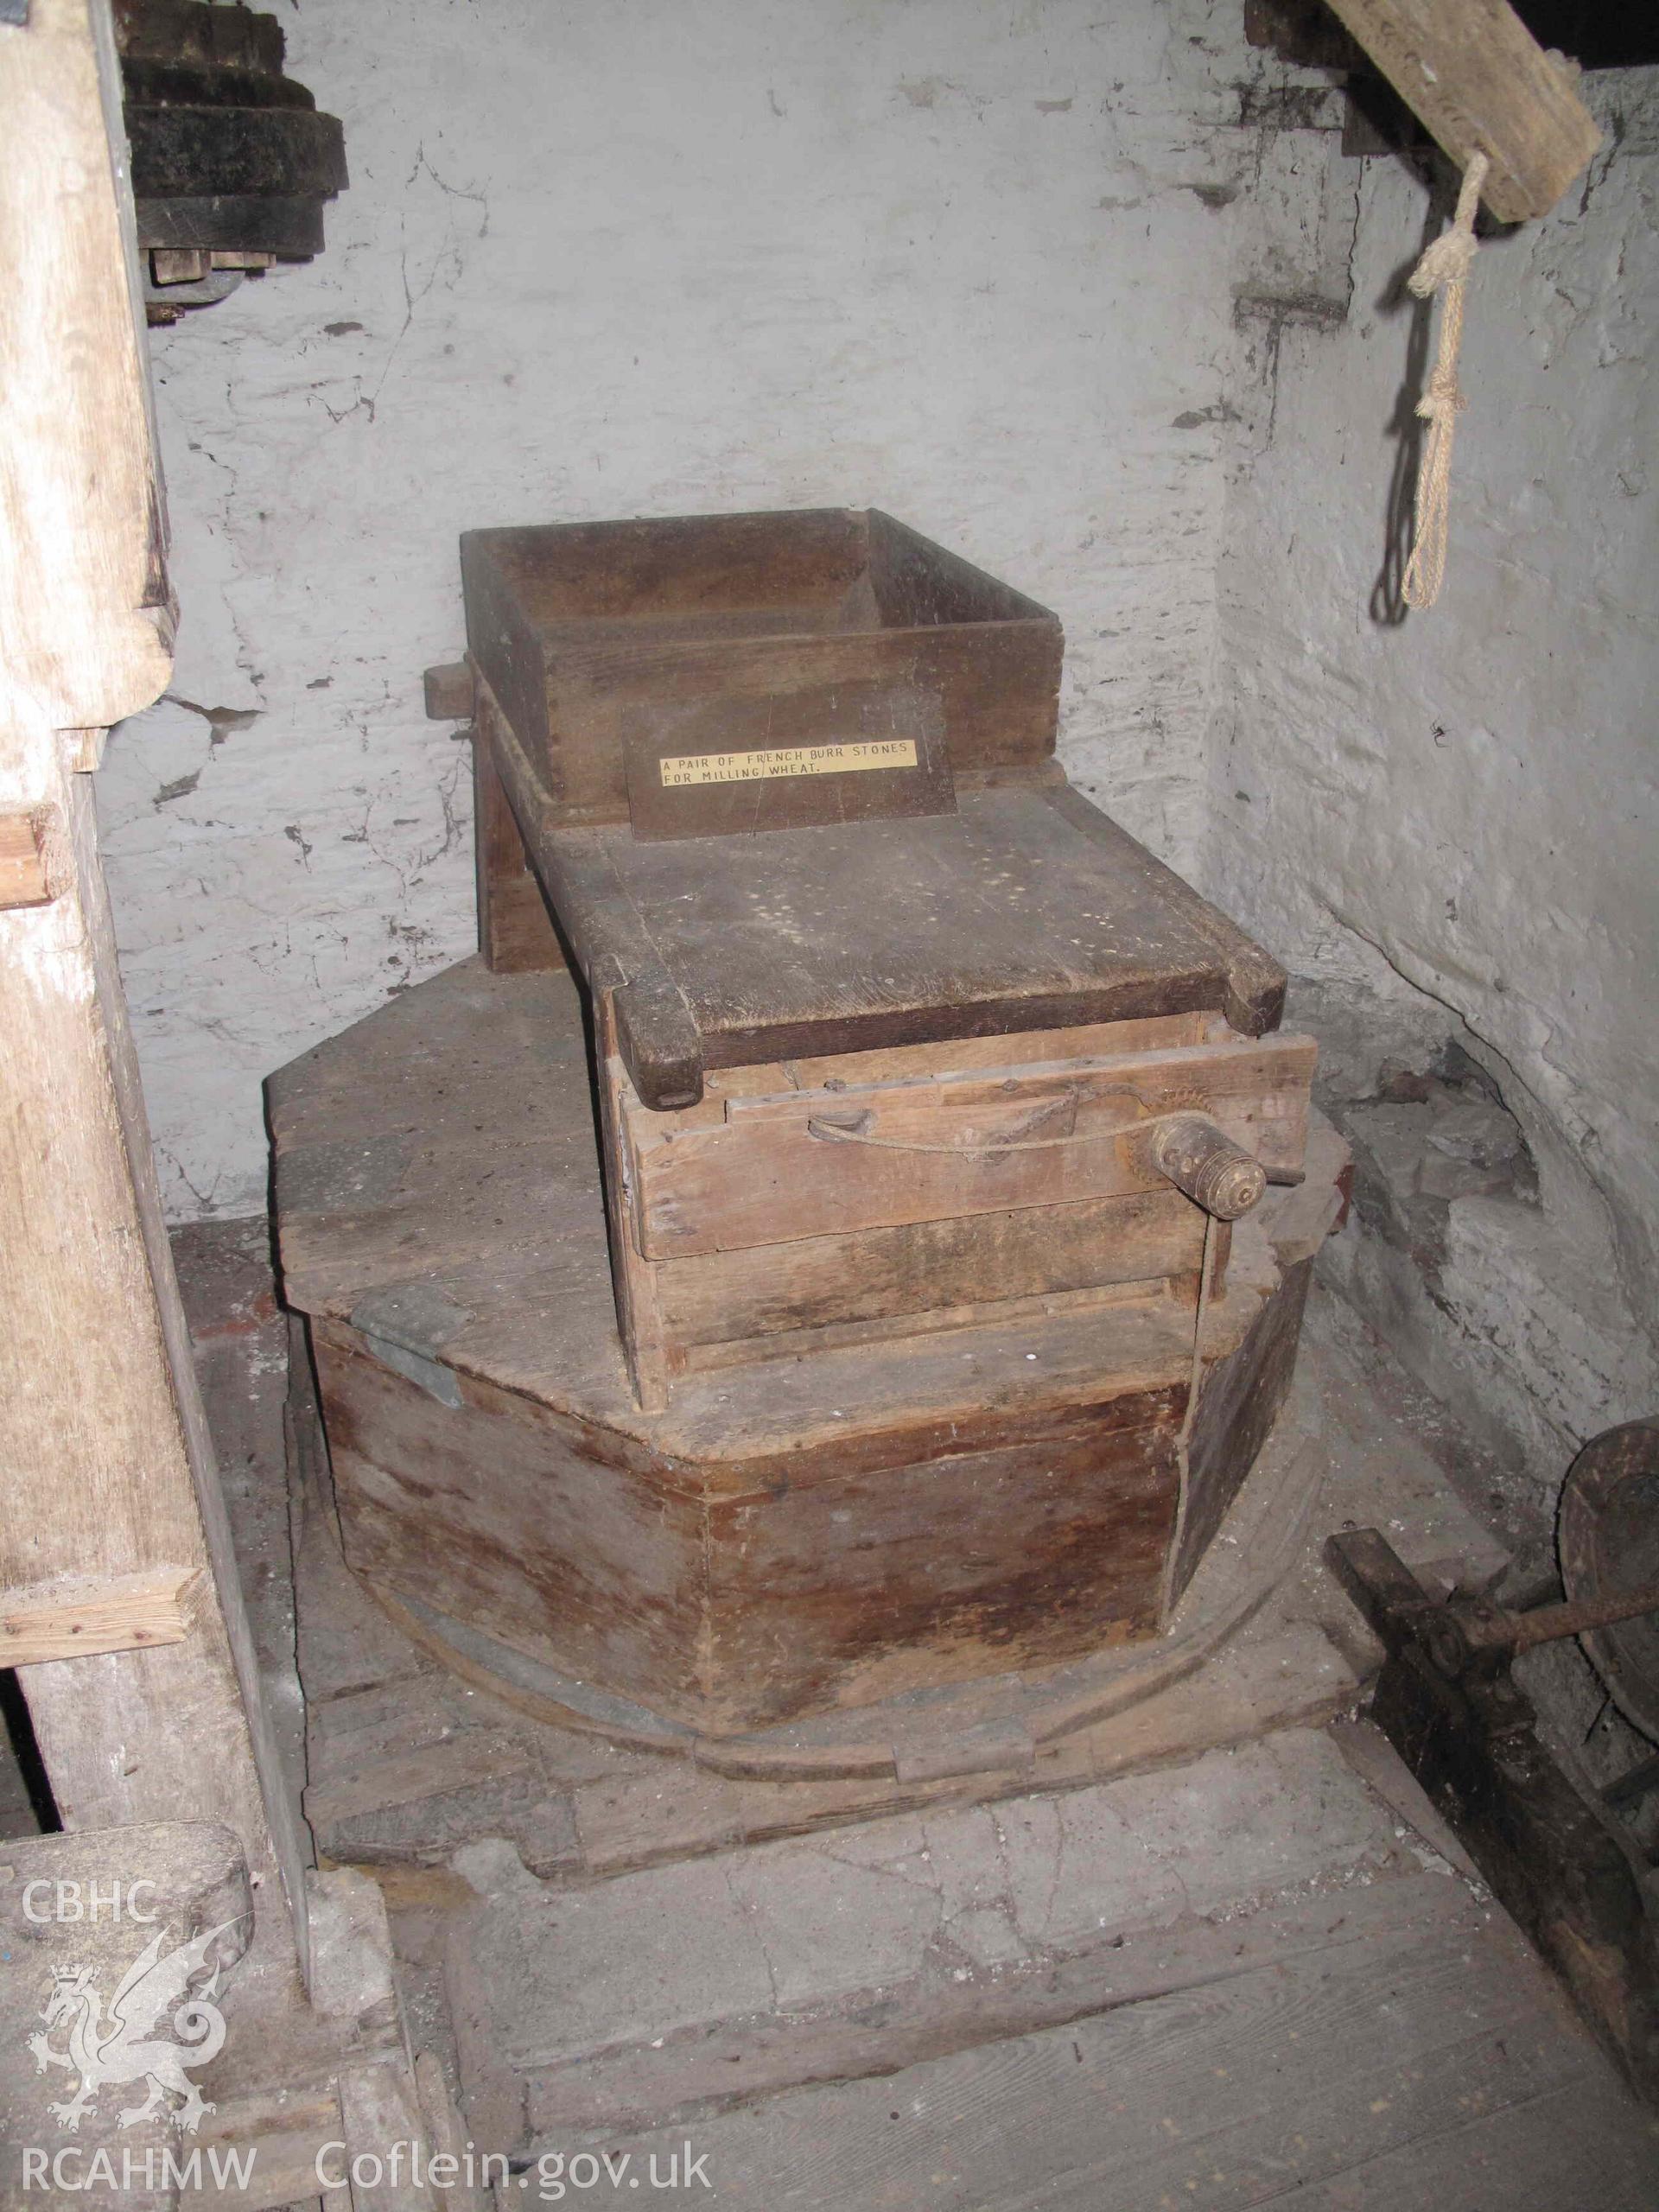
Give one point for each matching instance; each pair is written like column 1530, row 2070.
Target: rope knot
column 1444, row 398
column 1445, row 261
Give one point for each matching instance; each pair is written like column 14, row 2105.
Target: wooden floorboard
column 1343, row 2077
column 1528, row 2157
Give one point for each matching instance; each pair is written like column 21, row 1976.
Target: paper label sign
column 840, row 759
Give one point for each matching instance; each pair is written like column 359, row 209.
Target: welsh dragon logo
column 122, row 2046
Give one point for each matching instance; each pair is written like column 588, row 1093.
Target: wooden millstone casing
column 891, row 1070
column 783, row 1537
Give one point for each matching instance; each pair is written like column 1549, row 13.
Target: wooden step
column 664, row 1993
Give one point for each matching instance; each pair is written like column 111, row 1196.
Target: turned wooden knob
column 1202, row 1159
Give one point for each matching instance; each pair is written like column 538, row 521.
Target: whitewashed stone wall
column 1453, row 815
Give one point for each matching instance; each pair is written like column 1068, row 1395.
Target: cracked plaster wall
column 1446, row 822
column 973, row 262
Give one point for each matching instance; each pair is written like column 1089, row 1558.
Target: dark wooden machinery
column 902, row 1103
column 1567, row 1862
column 232, row 164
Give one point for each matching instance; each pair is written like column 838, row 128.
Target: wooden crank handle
column 1199, row 1158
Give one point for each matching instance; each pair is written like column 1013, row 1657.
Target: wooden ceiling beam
column 1479, row 82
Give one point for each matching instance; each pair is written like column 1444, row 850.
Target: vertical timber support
column 108, row 1470
column 516, row 935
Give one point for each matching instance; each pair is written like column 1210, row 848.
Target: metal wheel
column 1609, row 1541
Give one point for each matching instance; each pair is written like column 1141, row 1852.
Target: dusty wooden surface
column 1016, row 912
column 906, row 911
column 732, row 1594
column 1005, row 1723
column 448, row 1140
column 407, row 1152
column 771, row 1300
column 86, row 622
column 408, row 1757
column 1234, row 1416
column 828, row 1203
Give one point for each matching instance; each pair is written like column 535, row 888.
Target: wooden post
column 106, row 1469
column 516, row 936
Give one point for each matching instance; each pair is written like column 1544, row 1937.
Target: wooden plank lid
column 1025, row 908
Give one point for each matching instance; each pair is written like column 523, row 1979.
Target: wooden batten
column 634, row 1280
column 448, row 690
column 80, row 1618
column 1087, row 1041
column 926, row 1272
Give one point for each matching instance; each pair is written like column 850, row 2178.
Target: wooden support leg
column 110, row 1469
column 515, row 933
column 633, row 1279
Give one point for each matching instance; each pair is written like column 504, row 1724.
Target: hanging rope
column 1444, row 268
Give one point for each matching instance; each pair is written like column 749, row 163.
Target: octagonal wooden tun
column 786, row 1535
